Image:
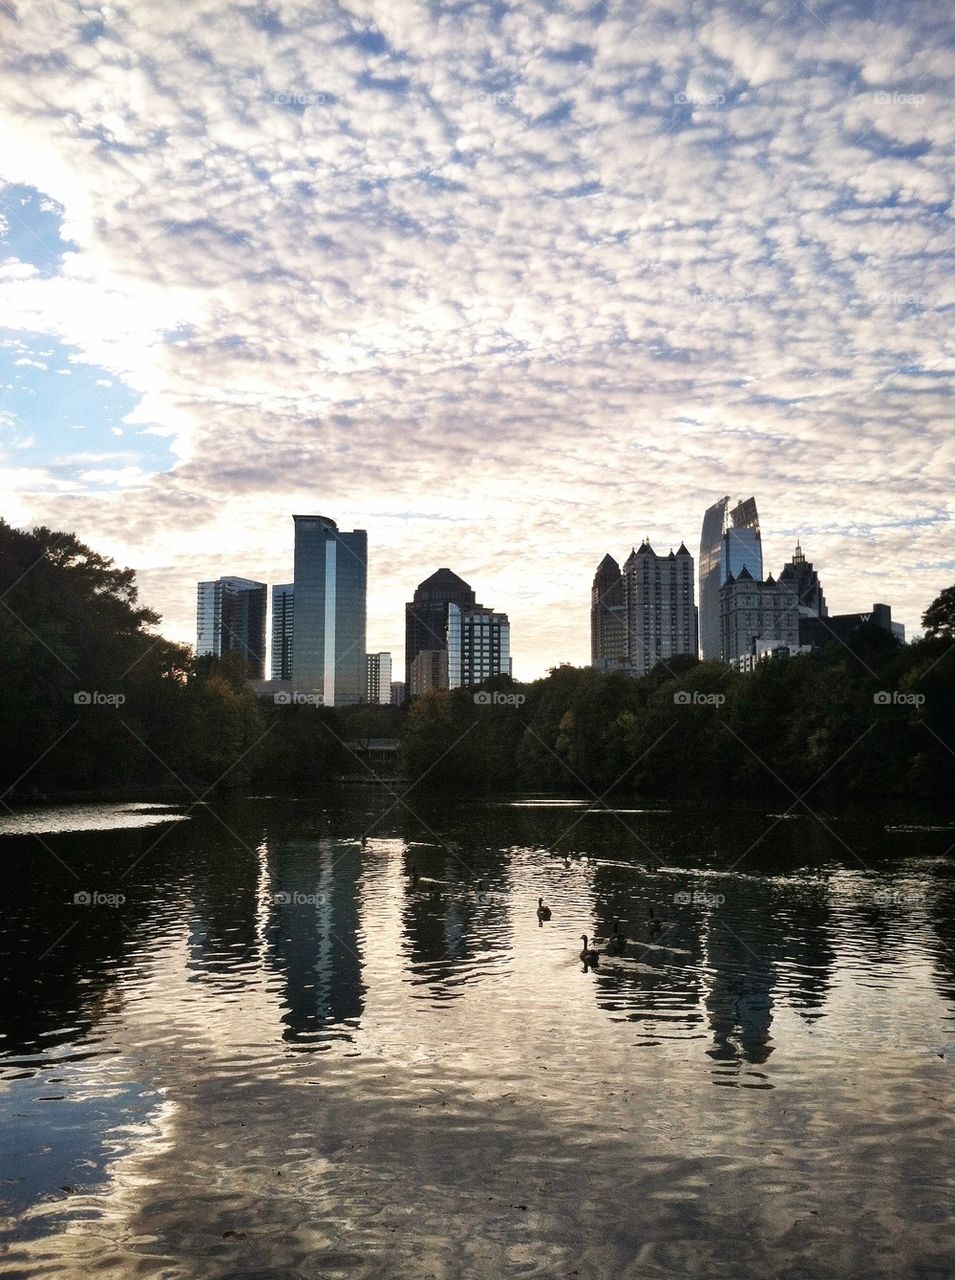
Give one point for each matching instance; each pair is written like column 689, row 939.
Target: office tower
column 479, row 645
column 752, row 612
column 282, row 615
column 230, row 618
column 608, row 623
column 659, row 608
column 799, row 571
column 328, row 623
column 398, row 689
column 429, row 671
column 729, row 542
column 379, row 679
column 831, row 629
column 426, row 615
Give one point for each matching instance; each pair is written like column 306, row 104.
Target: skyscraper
column 608, row 623
column 658, row 607
column 426, row 615
column 752, row 611
column 479, row 645
column 729, row 542
column 379, row 679
column 328, row 627
column 282, row 621
column 799, row 571
column 230, row 618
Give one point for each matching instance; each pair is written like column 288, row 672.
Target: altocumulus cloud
column 508, row 286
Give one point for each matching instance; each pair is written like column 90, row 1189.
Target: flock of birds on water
column 616, row 944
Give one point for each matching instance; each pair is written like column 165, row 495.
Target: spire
column 798, row 557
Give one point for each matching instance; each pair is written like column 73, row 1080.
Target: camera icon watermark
column 94, row 698
column 693, row 698
column 483, row 698
column 294, row 698
column 896, row 698
column 93, row 898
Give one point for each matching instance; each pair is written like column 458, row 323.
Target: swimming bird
column 656, row 926
column 618, row 940
column 589, row 955
column 543, row 913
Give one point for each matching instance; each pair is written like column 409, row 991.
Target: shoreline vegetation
column 94, row 702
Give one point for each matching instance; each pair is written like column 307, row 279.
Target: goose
column 589, row 955
column 618, row 940
column 656, row 925
column 543, row 913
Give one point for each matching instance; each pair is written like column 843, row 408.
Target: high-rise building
column 379, row 679
column 283, row 606
column 479, row 645
column 659, row 607
column 809, row 596
column 328, row 625
column 429, row 671
column 752, row 611
column 608, row 622
column 729, row 542
column 230, row 618
column 426, row 615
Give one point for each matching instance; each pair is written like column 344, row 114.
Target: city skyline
column 597, row 244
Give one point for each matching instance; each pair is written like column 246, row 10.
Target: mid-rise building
column 729, row 543
column 379, row 679
column 659, row 607
column 840, row 627
column 426, row 615
column 754, row 614
column 329, row 618
column 608, row 622
column 398, row 690
column 479, row 645
column 283, row 605
column 429, row 671
column 230, row 618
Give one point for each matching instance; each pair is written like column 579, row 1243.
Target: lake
column 331, row 1038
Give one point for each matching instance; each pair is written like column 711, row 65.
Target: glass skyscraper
column 328, row 628
column 729, row 542
column 426, row 615
column 230, row 618
column 283, row 611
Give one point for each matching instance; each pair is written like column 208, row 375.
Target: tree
column 939, row 618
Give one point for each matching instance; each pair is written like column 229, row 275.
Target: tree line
column 93, row 699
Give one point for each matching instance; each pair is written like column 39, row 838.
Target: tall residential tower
column 230, row 618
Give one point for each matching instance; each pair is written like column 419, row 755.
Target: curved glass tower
column 729, row 542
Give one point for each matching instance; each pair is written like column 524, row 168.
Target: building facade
column 398, row 689
column 809, row 594
column 329, row 618
column 429, row 671
column 283, row 598
column 608, row 622
column 479, row 645
column 730, row 542
column 379, row 679
column 659, row 607
column 840, row 627
column 426, row 615
column 230, row 618
column 754, row 614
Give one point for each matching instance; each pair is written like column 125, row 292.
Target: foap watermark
column 483, row 698
column 497, row 99
column 898, row 897
column 93, row 898
column 896, row 698
column 94, row 698
column 693, row 698
column 699, row 99
column 884, row 98
column 298, row 98
column 293, row 898
column 698, row 898
column 294, row 698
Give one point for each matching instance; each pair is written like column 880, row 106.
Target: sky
column 507, row 286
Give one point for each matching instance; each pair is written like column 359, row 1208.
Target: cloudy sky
column 510, row 286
